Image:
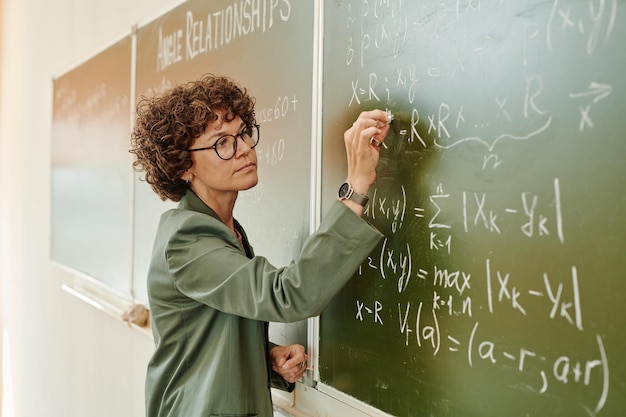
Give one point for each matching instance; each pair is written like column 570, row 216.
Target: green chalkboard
column 500, row 285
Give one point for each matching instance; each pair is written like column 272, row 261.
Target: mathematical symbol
column 596, row 90
column 565, row 17
column 479, row 212
column 436, row 243
column 401, row 80
column 513, row 295
column 361, row 306
column 585, row 120
column 294, row 101
column 359, row 310
column 502, row 109
column 494, row 158
column 431, row 119
column 432, row 223
column 456, row 344
column 434, row 71
column 355, row 95
column 544, row 387
column 543, row 230
column 437, row 301
column 381, row 205
column 503, row 286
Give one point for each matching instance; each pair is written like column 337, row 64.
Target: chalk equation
column 384, row 32
column 431, row 294
column 555, row 302
column 404, row 267
column 529, row 213
column 486, row 201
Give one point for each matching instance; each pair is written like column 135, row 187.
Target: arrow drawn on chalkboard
column 492, row 145
column 598, row 90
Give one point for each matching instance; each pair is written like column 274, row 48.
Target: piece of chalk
column 389, row 116
column 389, row 119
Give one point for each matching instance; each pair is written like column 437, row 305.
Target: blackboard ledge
column 322, row 400
column 101, row 296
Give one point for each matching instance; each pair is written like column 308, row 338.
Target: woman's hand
column 289, row 361
column 363, row 141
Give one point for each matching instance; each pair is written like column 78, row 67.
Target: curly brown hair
column 168, row 123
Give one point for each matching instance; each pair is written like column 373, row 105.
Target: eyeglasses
column 226, row 146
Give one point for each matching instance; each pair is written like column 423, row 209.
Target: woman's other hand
column 289, row 361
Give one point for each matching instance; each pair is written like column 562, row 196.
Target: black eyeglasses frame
column 238, row 135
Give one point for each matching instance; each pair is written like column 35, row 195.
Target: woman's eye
column 223, row 143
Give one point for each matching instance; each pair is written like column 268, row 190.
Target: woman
column 210, row 296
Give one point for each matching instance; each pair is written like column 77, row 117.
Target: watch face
column 343, row 190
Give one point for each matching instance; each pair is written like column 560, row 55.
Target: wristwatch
column 347, row 193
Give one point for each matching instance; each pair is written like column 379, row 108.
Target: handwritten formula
column 498, row 178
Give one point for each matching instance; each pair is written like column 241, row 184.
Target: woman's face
column 212, row 177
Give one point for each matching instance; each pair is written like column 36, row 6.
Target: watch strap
column 359, row 198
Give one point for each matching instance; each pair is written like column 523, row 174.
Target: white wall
column 68, row 359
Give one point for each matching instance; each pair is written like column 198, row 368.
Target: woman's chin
column 250, row 185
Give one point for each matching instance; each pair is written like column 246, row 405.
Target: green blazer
column 210, row 300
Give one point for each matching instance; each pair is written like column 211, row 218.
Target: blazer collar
column 191, row 201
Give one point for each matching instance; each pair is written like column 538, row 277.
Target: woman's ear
column 187, row 176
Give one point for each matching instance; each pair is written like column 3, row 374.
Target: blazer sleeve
column 212, row 269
